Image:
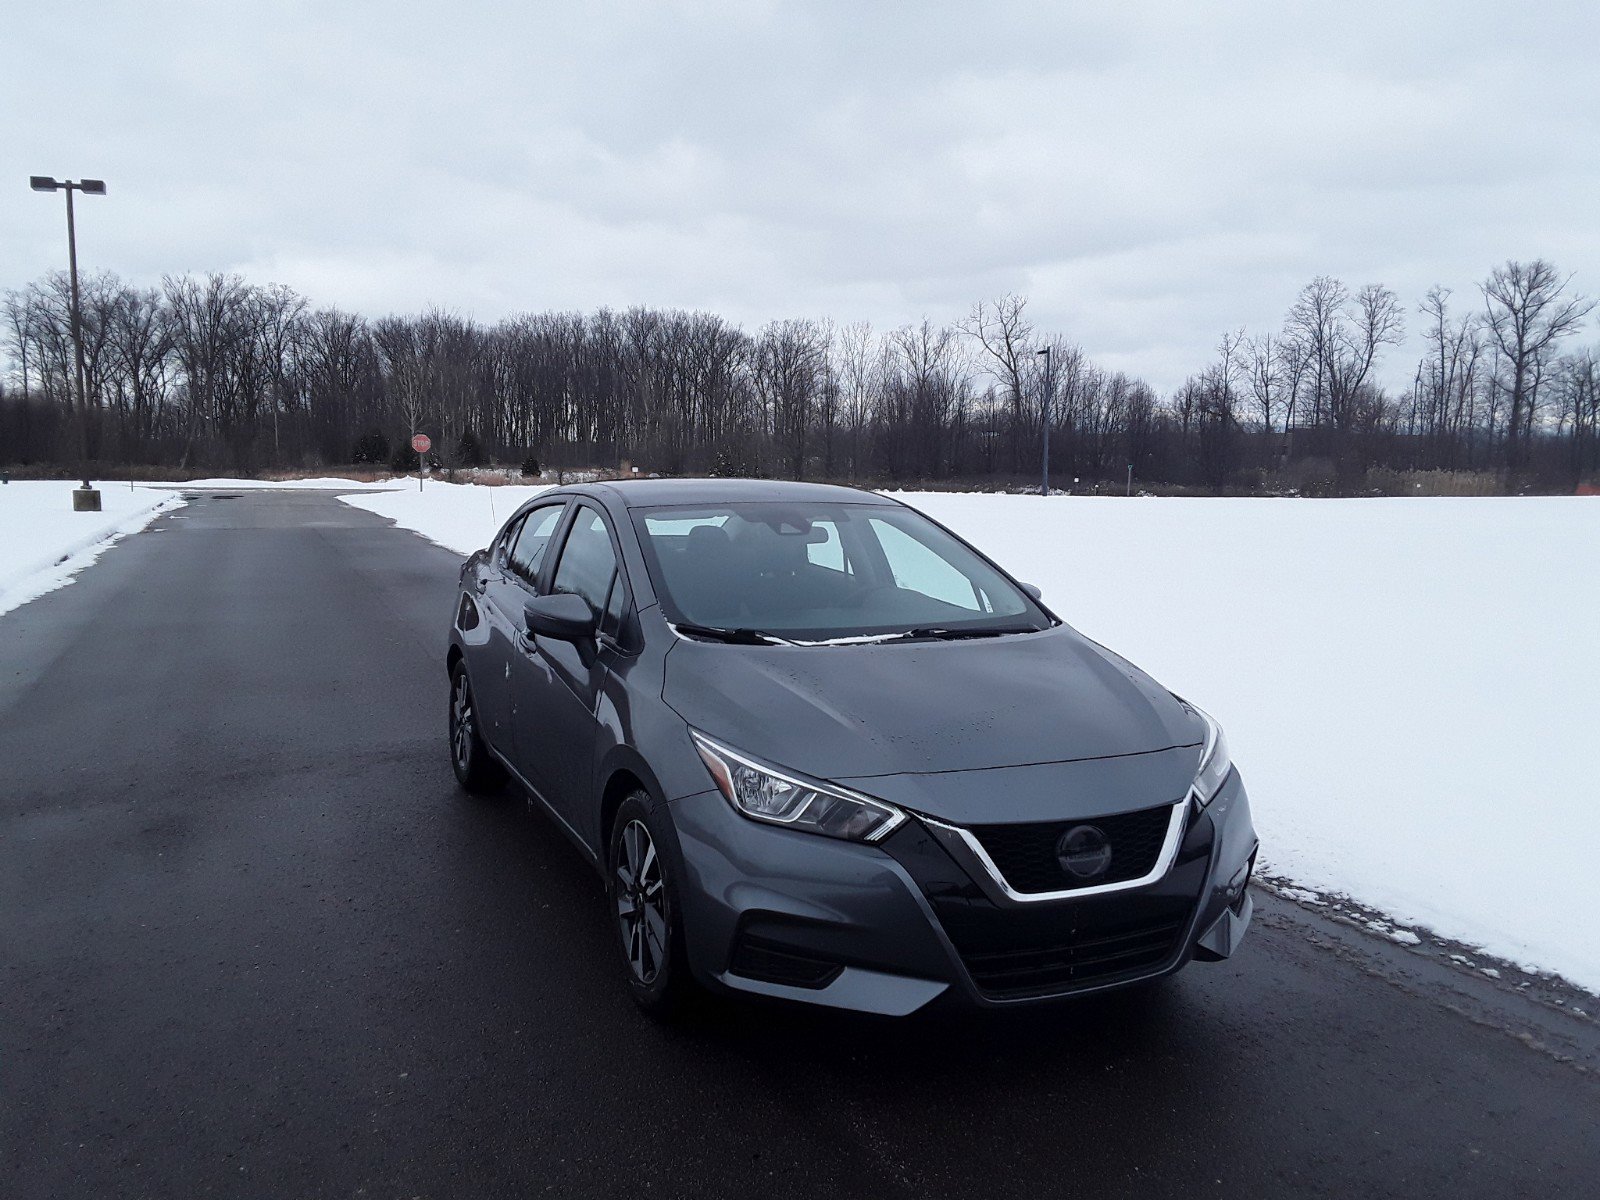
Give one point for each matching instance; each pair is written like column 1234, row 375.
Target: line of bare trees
column 1492, row 390
column 218, row 373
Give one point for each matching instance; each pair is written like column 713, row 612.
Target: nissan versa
column 820, row 748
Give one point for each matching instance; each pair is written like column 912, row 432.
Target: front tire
column 644, row 907
column 475, row 768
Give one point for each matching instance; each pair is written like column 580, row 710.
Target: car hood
column 863, row 711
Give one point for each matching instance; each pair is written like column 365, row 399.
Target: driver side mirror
column 562, row 616
column 1033, row 590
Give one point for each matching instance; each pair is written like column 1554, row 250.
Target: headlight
column 764, row 793
column 1214, row 761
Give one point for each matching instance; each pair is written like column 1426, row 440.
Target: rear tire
column 475, row 768
column 645, row 911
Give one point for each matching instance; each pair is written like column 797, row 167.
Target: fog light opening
column 1244, row 888
column 771, row 962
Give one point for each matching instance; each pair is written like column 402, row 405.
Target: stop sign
column 422, row 443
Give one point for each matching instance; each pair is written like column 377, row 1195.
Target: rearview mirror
column 563, row 616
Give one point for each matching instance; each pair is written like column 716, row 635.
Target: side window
column 917, row 568
column 533, row 540
column 587, row 560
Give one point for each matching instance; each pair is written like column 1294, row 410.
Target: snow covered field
column 1409, row 686
column 38, row 530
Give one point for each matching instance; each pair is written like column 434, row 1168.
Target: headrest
column 708, row 537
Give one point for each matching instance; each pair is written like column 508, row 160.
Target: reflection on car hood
column 1063, row 791
column 869, row 710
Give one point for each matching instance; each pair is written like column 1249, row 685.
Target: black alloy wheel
column 475, row 768
column 644, row 906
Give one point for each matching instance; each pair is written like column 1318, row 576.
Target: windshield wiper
column 737, row 637
column 934, row 633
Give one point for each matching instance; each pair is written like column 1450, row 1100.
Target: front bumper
column 891, row 928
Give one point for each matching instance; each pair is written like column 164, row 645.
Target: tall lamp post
column 1049, row 382
column 85, row 498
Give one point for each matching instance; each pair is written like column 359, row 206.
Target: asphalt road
column 254, row 942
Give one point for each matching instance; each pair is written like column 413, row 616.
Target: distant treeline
column 217, row 373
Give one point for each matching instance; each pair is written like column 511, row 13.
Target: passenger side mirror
column 1033, row 590
column 562, row 616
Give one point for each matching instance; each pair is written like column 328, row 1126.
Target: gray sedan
column 821, row 749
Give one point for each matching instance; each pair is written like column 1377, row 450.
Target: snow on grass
column 462, row 517
column 1409, row 686
column 323, row 483
column 43, row 543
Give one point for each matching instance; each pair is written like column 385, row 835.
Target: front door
column 508, row 580
column 557, row 684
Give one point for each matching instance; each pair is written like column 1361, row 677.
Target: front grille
column 1057, row 947
column 1025, row 854
column 1103, row 957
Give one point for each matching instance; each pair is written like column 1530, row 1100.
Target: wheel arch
column 623, row 773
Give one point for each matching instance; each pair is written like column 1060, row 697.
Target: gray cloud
column 1149, row 174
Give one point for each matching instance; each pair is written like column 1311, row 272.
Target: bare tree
column 1447, row 379
column 1263, row 363
column 1576, row 381
column 1373, row 321
column 1341, row 337
column 1004, row 332
column 925, row 398
column 208, row 324
column 1528, row 312
column 791, row 363
column 1313, row 325
column 399, row 345
column 141, row 344
column 859, row 371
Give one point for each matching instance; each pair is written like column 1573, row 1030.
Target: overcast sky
column 1148, row 174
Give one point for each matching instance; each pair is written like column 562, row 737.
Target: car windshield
column 819, row 572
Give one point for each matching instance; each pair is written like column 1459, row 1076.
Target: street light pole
column 1049, row 383
column 86, row 498
column 77, row 341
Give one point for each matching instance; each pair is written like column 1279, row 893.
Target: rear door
column 559, row 684
column 508, row 580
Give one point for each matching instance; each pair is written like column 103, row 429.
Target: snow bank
column 43, row 543
column 461, row 516
column 1408, row 685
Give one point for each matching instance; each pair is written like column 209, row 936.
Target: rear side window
column 500, row 552
column 588, row 563
column 534, row 539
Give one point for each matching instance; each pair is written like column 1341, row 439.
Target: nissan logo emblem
column 1084, row 852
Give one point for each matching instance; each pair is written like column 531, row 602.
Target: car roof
column 649, row 493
